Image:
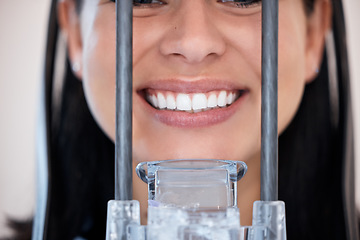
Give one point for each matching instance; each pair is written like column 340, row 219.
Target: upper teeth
column 194, row 102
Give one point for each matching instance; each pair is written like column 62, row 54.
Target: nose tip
column 195, row 49
column 194, row 39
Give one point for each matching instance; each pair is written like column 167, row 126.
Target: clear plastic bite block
column 193, row 200
column 186, row 224
column 192, row 183
column 121, row 215
column 270, row 215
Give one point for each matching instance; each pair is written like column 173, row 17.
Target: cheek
column 292, row 33
column 99, row 72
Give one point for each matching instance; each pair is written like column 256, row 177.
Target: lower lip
column 195, row 120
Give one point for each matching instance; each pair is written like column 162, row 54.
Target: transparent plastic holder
column 120, row 215
column 192, row 183
column 191, row 224
column 184, row 224
column 251, row 233
column 136, row 232
column 271, row 215
column 194, row 200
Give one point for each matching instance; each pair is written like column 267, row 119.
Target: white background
column 22, row 41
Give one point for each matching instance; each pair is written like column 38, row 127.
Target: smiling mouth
column 191, row 102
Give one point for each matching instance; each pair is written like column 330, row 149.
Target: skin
column 192, row 41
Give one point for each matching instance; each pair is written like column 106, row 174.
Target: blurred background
column 23, row 25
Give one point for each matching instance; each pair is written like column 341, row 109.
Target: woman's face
column 196, row 73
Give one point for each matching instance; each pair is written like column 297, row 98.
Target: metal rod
column 269, row 101
column 123, row 135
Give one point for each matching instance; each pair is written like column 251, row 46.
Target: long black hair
column 316, row 178
column 316, row 161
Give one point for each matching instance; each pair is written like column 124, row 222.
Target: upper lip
column 200, row 85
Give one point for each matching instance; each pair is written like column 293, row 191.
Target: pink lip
column 192, row 120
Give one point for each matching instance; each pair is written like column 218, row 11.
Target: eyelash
column 235, row 3
column 241, row 3
column 148, row 3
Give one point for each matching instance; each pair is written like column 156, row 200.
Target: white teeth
column 183, row 102
column 229, row 98
column 170, row 102
column 199, row 101
column 222, row 99
column 156, row 102
column 161, row 101
column 192, row 103
column 212, row 101
column 234, row 97
column 153, row 100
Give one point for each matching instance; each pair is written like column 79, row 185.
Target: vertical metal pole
column 269, row 101
column 123, row 135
